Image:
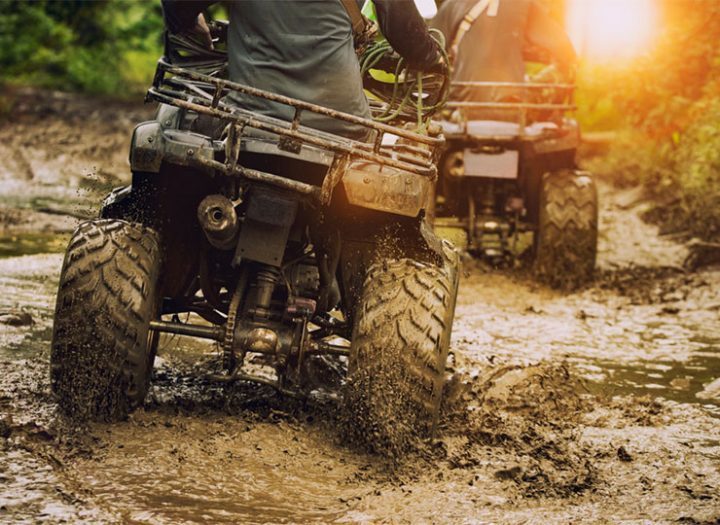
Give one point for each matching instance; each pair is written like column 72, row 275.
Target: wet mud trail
column 588, row 406
column 600, row 406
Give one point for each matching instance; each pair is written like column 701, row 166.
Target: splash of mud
column 528, row 416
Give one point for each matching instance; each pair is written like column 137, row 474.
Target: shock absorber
column 266, row 279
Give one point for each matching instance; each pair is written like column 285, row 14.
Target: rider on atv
column 491, row 40
column 294, row 241
column 305, row 50
column 509, row 166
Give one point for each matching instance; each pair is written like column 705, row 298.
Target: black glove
column 440, row 67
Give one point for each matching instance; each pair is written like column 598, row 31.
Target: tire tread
column 100, row 360
column 400, row 346
column 566, row 241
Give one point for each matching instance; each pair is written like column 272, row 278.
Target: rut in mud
column 601, row 405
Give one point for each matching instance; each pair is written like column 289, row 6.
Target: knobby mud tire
column 566, row 240
column 400, row 346
column 102, row 349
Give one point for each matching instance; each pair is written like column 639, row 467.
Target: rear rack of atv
column 386, row 145
column 518, row 112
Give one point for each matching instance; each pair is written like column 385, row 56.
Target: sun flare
column 612, row 29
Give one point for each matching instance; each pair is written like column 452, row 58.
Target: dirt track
column 600, row 406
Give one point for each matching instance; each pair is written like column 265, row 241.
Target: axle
column 256, row 339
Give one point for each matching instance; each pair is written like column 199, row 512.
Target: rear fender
column 386, row 189
column 568, row 141
column 152, row 145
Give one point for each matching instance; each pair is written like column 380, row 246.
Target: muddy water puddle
column 669, row 348
column 682, row 382
column 28, row 286
column 33, row 243
column 220, row 470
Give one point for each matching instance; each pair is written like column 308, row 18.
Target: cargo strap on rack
column 356, row 18
column 491, row 6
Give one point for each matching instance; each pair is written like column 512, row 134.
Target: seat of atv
column 497, row 128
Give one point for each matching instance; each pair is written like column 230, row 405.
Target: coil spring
column 265, row 281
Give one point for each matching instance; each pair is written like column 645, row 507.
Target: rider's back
column 492, row 49
column 302, row 50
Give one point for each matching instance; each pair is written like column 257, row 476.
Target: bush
column 81, row 45
column 669, row 133
column 697, row 162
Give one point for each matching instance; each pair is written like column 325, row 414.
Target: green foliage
column 697, row 162
column 595, row 98
column 668, row 116
column 84, row 45
column 661, row 98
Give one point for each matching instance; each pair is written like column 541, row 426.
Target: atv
column 509, row 169
column 274, row 240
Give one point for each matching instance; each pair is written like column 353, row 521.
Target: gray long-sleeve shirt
column 304, row 49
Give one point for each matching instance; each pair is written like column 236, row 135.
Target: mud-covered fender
column 567, row 140
column 146, row 147
column 152, row 145
column 162, row 140
column 382, row 188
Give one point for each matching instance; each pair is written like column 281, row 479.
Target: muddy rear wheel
column 102, row 348
column 566, row 240
column 399, row 350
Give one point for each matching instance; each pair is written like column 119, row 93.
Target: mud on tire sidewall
column 102, row 351
column 400, row 344
column 565, row 243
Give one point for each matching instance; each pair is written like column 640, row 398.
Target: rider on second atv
column 490, row 41
column 304, row 50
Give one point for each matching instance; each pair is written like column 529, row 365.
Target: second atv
column 509, row 168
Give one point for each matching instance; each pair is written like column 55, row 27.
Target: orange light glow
column 610, row 29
